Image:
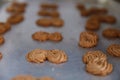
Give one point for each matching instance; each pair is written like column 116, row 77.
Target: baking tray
column 18, row 43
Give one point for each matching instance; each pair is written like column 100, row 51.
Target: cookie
column 114, row 50
column 45, row 78
column 4, row 27
column 92, row 24
column 57, row 22
column 80, row 7
column 2, row 40
column 40, row 36
column 15, row 19
column 23, row 77
column 45, row 22
column 56, row 36
column 36, row 56
column 109, row 19
column 84, row 13
column 111, row 33
column 49, row 6
column 88, row 39
column 56, row 56
column 99, row 67
column 1, row 55
column 94, row 55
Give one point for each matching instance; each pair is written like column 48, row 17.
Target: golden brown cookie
column 92, row 24
column 44, row 13
column 36, row 56
column 1, row 55
column 2, row 40
column 88, row 39
column 80, row 6
column 111, row 33
column 56, row 36
column 94, row 55
column 4, row 27
column 15, row 19
column 114, row 50
column 99, row 67
column 109, row 19
column 85, row 13
column 45, row 22
column 49, row 6
column 23, row 77
column 40, row 36
column 57, row 22
column 56, row 56
column 45, row 78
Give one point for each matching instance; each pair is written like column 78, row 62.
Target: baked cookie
column 45, row 78
column 4, row 27
column 57, row 22
column 40, row 36
column 94, row 55
column 56, row 56
column 85, row 13
column 56, row 36
column 114, row 50
column 88, row 39
column 80, row 6
column 111, row 33
column 1, row 55
column 45, row 22
column 15, row 19
column 36, row 56
column 109, row 19
column 2, row 40
column 99, row 67
column 23, row 77
column 49, row 6
column 92, row 24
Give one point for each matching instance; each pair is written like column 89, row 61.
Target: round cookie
column 93, row 24
column 111, row 33
column 56, row 36
column 40, row 36
column 57, row 22
column 45, row 22
column 99, row 67
column 4, row 27
column 23, row 77
column 15, row 19
column 94, row 55
column 2, row 40
column 88, row 39
column 36, row 56
column 56, row 56
column 114, row 50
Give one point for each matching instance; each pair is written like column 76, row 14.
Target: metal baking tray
column 18, row 43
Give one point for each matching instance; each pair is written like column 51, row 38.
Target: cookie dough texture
column 114, row 50
column 36, row 56
column 56, row 56
column 88, row 39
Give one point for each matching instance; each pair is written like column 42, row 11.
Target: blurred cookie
column 111, row 33
column 80, row 7
column 36, row 56
column 40, row 36
column 57, row 22
column 56, row 56
column 23, row 77
column 85, row 13
column 88, row 39
column 94, row 55
column 56, row 36
column 15, row 19
column 2, row 40
column 45, row 22
column 4, row 27
column 44, row 13
column 114, row 50
column 49, row 6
